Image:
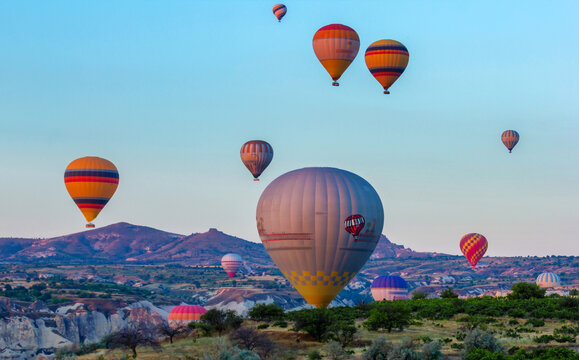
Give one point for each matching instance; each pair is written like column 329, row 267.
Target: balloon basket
column 386, row 92
column 335, row 83
column 255, row 179
column 90, row 226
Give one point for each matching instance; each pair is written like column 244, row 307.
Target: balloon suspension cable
column 335, row 83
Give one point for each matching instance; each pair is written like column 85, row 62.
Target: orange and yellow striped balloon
column 510, row 138
column 336, row 46
column 91, row 182
column 386, row 60
column 473, row 246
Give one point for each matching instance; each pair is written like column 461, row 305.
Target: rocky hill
column 127, row 243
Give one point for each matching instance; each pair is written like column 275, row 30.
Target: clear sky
column 170, row 90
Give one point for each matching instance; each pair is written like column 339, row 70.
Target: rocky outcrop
column 27, row 332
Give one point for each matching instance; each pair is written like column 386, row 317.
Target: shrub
column 417, row 295
column 378, row 350
column 266, row 312
column 448, row 294
column 431, row 351
column 280, row 323
column 479, row 339
column 262, row 326
column 535, row 322
column 334, row 351
column 484, row 354
column 387, row 316
column 403, row 351
column 314, row 354
column 525, row 290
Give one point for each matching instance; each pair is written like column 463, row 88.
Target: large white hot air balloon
column 301, row 219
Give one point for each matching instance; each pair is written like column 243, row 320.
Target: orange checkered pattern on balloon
column 473, row 246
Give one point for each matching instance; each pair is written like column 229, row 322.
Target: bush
column 448, row 294
column 524, row 290
column 266, row 312
column 220, row 321
column 417, row 295
column 262, row 326
column 479, row 339
column 334, row 351
column 483, row 354
column 378, row 350
column 314, row 354
column 403, row 351
column 431, row 351
column 315, row 322
column 535, row 322
column 280, row 323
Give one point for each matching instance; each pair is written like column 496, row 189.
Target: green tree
column 525, row 290
column 315, row 322
column 388, row 315
column 220, row 321
column 418, row 295
column 266, row 312
column 479, row 339
column 448, row 294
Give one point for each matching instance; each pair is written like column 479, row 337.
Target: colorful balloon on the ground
column 279, row 11
column 300, row 220
column 91, row 182
column 510, row 138
column 473, row 246
column 336, row 46
column 182, row 315
column 386, row 60
column 548, row 279
column 354, row 225
column 387, row 287
column 256, row 156
column 231, row 263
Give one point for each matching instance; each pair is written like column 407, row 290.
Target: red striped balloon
column 336, row 46
column 231, row 263
column 473, row 246
column 184, row 314
column 279, row 11
column 256, row 156
column 354, row 225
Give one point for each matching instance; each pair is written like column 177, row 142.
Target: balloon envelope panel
column 91, row 182
column 300, row 220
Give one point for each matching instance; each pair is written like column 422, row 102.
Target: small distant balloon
column 279, row 11
column 231, row 263
column 182, row 315
column 256, row 156
column 354, row 224
column 548, row 280
column 510, row 138
column 336, row 46
column 91, row 182
column 473, row 246
column 389, row 288
column 386, row 60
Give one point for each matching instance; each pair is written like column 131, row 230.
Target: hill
column 127, row 243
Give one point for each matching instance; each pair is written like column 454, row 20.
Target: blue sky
column 170, row 90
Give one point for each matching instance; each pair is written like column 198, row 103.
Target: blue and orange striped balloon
column 510, row 138
column 389, row 288
column 473, row 246
column 91, row 182
column 256, row 156
column 386, row 60
column 279, row 10
column 548, row 279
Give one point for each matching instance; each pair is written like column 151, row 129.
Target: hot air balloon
column 386, row 60
column 354, row 224
column 336, row 46
column 387, row 287
column 473, row 246
column 279, row 11
column 510, row 138
column 91, row 182
column 548, row 279
column 300, row 220
column 256, row 156
column 182, row 315
column 231, row 263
